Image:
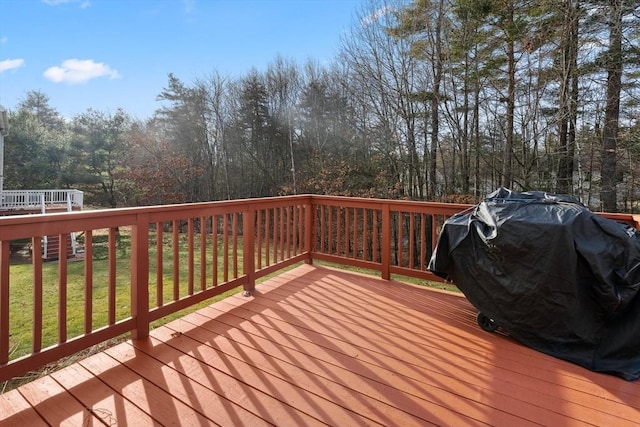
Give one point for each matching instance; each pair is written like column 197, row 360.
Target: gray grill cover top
column 550, row 273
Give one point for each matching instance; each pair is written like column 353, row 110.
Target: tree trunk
column 612, row 108
column 435, row 101
column 568, row 98
column 507, row 160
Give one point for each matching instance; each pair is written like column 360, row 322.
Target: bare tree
column 612, row 108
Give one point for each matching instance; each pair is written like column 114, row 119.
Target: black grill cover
column 550, row 273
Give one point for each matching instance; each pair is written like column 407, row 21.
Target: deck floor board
column 16, row 410
column 320, row 346
column 546, row 391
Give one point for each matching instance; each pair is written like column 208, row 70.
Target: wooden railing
column 142, row 264
column 25, row 199
column 389, row 236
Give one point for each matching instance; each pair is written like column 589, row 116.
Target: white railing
column 39, row 199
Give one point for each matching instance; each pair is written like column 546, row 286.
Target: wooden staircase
column 29, row 202
column 51, row 247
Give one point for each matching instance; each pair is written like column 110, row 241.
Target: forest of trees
column 426, row 100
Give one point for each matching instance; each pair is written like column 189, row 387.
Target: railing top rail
column 18, row 225
column 401, row 202
column 23, row 226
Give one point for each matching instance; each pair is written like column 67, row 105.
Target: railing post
column 385, row 250
column 140, row 276
column 5, row 252
column 309, row 227
column 249, row 249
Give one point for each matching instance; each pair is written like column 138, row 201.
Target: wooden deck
column 318, row 346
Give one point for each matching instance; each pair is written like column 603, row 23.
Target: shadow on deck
column 319, row 346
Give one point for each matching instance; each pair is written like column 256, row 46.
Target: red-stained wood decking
column 318, row 346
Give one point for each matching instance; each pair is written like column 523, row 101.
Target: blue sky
column 106, row 54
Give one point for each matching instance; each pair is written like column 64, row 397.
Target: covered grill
column 550, row 273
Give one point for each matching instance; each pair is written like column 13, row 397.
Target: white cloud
column 11, row 64
column 83, row 3
column 80, row 71
column 376, row 15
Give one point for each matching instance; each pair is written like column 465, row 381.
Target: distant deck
column 27, row 202
column 319, row 346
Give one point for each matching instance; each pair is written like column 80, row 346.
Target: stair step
column 53, row 248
